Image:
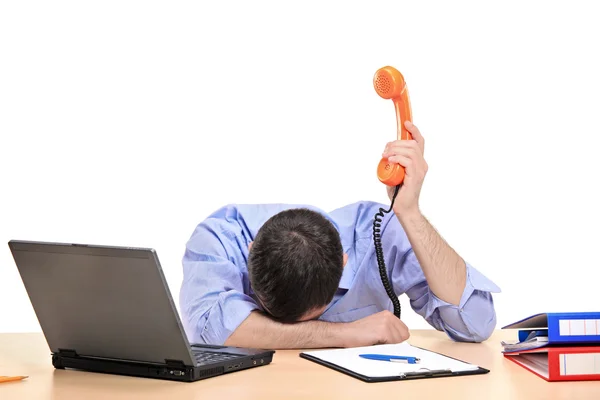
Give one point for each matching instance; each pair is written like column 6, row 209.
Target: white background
column 127, row 123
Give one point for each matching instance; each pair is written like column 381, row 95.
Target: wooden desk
column 288, row 377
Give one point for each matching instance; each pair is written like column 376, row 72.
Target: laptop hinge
column 175, row 363
column 67, row 353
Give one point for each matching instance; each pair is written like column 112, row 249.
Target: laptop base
column 173, row 372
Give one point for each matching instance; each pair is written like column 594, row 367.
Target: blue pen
column 390, row 358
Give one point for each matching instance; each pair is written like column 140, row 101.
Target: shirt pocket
column 352, row 315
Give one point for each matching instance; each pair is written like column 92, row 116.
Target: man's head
column 295, row 264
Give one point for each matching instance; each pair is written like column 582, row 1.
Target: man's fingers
column 394, row 330
column 416, row 133
column 405, row 151
column 400, row 333
column 406, row 162
column 418, row 141
column 392, row 147
column 402, row 330
column 397, row 333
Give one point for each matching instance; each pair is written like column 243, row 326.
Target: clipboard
column 432, row 364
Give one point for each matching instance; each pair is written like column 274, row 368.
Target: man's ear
column 345, row 259
column 250, row 245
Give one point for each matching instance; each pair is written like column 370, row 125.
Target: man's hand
column 381, row 328
column 409, row 154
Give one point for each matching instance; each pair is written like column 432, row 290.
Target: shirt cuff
column 475, row 281
column 224, row 318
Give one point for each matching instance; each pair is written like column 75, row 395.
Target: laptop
column 108, row 309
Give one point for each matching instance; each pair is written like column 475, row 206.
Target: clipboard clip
column 425, row 372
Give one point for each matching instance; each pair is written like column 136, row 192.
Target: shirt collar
column 347, row 276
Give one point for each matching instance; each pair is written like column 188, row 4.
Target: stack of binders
column 557, row 346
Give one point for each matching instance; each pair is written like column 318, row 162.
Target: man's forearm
column 259, row 331
column 444, row 269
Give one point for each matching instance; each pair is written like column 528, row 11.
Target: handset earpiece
column 390, row 84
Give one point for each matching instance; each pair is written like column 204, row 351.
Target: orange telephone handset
column 389, row 84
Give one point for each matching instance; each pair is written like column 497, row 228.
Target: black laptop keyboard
column 204, row 357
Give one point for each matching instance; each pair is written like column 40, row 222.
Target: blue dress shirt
column 216, row 295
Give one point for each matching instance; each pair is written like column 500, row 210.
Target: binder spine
column 574, row 364
column 574, row 328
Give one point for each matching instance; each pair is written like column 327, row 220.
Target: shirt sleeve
column 472, row 320
column 212, row 297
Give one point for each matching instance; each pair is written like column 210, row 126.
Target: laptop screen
column 102, row 301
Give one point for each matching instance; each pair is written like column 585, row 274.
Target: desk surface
column 288, row 377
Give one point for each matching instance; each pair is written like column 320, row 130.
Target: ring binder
column 561, row 346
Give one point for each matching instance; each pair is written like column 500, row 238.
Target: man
column 285, row 276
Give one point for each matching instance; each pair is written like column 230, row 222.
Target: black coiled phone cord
column 379, row 252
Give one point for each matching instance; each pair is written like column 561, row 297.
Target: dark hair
column 295, row 263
